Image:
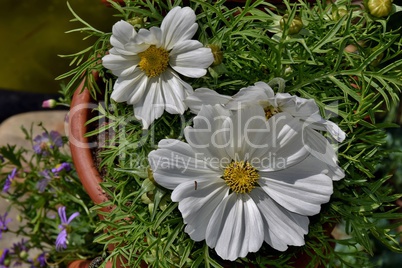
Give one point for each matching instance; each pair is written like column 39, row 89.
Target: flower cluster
column 19, row 253
column 42, row 190
column 242, row 201
column 252, row 165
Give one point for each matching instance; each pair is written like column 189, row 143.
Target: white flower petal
column 190, row 58
column 250, row 96
column 205, row 96
column 282, row 227
column 178, row 25
column 151, row 107
column 147, row 37
column 300, row 189
column 336, row 132
column 235, row 227
column 325, row 125
column 286, row 147
column 206, row 137
column 307, row 110
column 121, row 65
column 249, row 131
column 175, row 163
column 320, row 148
column 197, row 202
column 122, row 33
column 126, row 88
column 174, row 92
column 296, row 106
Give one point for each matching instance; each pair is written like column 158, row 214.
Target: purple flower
column 3, row 223
column 61, row 241
column 20, row 250
column 3, row 257
column 60, row 167
column 20, row 246
column 9, row 179
column 46, row 141
column 41, row 259
column 1, row 159
column 42, row 184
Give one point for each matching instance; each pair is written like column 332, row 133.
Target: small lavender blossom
column 3, row 257
column 20, row 250
column 61, row 167
column 41, row 260
column 46, row 141
column 3, row 223
column 42, row 184
column 61, row 241
column 9, row 179
column 18, row 247
column 1, row 159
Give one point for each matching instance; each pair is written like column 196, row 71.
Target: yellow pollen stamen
column 241, row 177
column 271, row 111
column 154, row 61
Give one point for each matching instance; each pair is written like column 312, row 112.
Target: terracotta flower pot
column 80, row 112
column 85, row 264
column 82, row 156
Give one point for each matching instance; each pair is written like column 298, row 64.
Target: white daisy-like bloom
column 241, row 180
column 304, row 110
column 147, row 64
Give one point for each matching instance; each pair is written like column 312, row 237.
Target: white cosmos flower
column 263, row 95
column 147, row 64
column 241, row 180
column 305, row 110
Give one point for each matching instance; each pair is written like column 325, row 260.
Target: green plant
column 340, row 56
column 37, row 183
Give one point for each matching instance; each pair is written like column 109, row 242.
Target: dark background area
column 33, row 36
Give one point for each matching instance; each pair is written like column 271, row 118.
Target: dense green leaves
column 351, row 66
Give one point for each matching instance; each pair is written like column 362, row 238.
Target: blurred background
column 33, row 35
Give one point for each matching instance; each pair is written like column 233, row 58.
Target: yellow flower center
column 44, row 145
column 154, row 61
column 271, row 111
column 241, row 177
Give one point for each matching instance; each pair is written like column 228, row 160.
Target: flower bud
column 379, row 8
column 145, row 199
column 339, row 13
column 49, row 103
column 218, row 54
column 136, row 22
column 23, row 255
column 151, row 175
column 294, row 27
